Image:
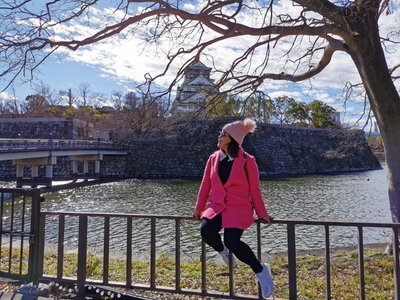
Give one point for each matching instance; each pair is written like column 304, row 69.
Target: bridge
column 39, row 152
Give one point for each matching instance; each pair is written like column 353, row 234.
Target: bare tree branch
column 255, row 81
column 394, row 68
column 325, row 8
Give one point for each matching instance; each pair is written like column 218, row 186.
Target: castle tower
column 192, row 94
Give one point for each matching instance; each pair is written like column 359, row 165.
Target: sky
column 120, row 63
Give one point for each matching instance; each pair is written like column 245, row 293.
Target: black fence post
column 361, row 268
column 33, row 264
column 396, row 267
column 291, row 238
column 82, row 253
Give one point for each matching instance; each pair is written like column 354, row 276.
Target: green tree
column 299, row 113
column 260, row 107
column 222, row 106
column 315, row 31
column 88, row 114
column 283, row 106
column 321, row 114
column 36, row 106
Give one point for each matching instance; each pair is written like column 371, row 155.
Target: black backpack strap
column 247, row 175
column 245, row 165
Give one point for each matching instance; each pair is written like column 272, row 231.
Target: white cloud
column 189, row 7
column 294, row 95
column 4, row 95
column 6, row 98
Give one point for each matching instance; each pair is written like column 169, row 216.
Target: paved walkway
column 17, row 296
column 14, row 290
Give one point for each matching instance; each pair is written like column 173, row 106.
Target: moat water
column 345, row 197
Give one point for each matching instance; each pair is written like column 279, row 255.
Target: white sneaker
column 265, row 280
column 225, row 256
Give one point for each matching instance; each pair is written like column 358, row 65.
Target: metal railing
column 37, row 236
column 360, row 246
column 81, row 277
column 19, row 233
column 291, row 253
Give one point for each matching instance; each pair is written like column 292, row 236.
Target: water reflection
column 346, row 197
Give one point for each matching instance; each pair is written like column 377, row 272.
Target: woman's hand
column 197, row 214
column 267, row 219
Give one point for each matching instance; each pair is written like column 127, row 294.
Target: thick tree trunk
column 368, row 55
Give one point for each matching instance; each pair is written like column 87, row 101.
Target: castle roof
column 191, row 80
column 198, row 65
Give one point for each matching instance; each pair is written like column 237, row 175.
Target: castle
column 196, row 88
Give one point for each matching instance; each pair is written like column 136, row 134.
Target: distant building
column 195, row 89
column 44, row 128
column 336, row 118
column 106, row 109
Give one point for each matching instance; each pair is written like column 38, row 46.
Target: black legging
column 210, row 229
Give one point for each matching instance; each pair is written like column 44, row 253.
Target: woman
column 231, row 188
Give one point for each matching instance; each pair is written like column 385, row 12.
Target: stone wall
column 279, row 150
column 41, row 128
column 296, row 150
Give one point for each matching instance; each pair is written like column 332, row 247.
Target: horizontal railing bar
column 116, row 215
column 14, row 276
column 33, row 141
column 275, row 221
column 25, row 191
column 17, row 233
column 336, row 223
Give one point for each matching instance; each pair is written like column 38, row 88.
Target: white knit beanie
column 239, row 129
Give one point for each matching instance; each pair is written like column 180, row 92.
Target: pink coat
column 236, row 199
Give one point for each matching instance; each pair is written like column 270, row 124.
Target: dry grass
column 311, row 281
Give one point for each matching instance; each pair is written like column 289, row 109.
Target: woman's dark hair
column 233, row 148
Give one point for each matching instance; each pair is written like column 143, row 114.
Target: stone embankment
column 279, row 150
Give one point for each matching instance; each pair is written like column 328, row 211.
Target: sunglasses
column 222, row 134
